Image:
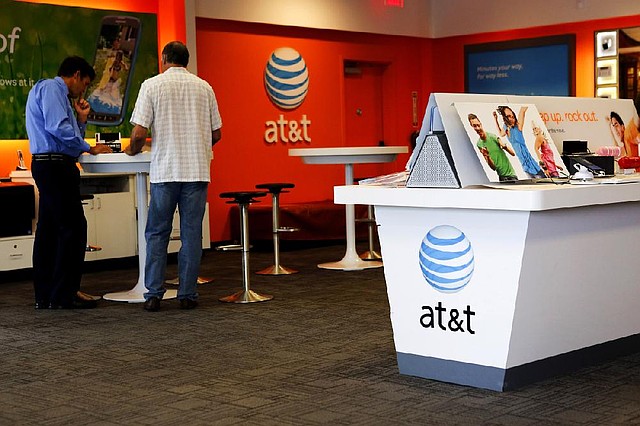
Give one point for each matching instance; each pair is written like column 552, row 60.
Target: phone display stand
column 112, row 140
column 21, row 165
column 434, row 164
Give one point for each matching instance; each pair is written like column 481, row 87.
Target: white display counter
column 544, row 278
column 138, row 164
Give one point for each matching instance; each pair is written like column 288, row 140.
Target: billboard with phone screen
column 36, row 45
column 114, row 59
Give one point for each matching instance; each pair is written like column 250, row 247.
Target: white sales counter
column 497, row 288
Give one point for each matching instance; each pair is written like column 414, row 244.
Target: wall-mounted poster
column 537, row 66
column 35, row 38
column 510, row 140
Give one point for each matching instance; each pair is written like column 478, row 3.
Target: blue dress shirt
column 51, row 122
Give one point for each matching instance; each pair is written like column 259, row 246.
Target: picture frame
column 606, row 44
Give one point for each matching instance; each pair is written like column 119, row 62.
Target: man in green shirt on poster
column 493, row 151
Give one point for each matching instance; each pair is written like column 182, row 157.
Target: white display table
column 138, row 164
column 497, row 288
column 349, row 156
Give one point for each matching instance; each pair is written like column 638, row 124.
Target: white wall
column 369, row 16
column 458, row 17
column 418, row 18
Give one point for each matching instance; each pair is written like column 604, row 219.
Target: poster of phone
column 114, row 60
column 36, row 45
column 510, row 140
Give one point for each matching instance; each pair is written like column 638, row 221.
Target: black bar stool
column 243, row 199
column 83, row 198
column 275, row 189
column 370, row 220
column 88, row 248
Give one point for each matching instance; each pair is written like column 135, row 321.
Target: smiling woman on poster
column 513, row 131
column 624, row 136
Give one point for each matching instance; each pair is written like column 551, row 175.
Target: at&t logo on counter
column 447, row 264
column 286, row 81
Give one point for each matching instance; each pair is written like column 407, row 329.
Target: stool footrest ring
column 287, row 229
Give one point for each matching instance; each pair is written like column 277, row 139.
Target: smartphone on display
column 114, row 60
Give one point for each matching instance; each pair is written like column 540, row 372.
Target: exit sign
column 394, row 3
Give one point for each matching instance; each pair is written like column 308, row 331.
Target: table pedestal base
column 351, row 263
column 136, row 295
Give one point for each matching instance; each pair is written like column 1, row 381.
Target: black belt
column 52, row 157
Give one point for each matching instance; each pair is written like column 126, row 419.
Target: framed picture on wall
column 606, row 71
column 606, row 44
column 543, row 66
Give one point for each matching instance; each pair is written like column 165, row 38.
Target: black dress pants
column 61, row 233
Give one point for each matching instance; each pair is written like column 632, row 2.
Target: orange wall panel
column 232, row 57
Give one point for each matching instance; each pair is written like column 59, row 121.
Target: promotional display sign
column 511, row 141
column 600, row 122
column 122, row 47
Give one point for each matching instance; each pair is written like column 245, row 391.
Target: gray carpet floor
column 321, row 352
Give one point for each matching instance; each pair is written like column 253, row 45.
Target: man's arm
column 138, row 139
column 216, row 135
column 506, row 147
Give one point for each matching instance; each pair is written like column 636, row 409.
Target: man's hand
column 137, row 141
column 100, row 149
column 130, row 151
column 82, row 108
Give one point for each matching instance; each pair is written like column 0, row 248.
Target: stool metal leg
column 370, row 254
column 276, row 268
column 246, row 295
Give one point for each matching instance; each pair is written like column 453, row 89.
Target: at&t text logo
column 286, row 81
column 447, row 263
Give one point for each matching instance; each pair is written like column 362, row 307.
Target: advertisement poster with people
column 511, row 141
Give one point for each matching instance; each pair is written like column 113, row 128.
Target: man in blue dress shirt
column 56, row 117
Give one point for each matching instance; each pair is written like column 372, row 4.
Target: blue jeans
column 191, row 200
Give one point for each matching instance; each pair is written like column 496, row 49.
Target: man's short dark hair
column 175, row 52
column 73, row 64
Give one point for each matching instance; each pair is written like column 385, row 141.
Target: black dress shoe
column 76, row 303
column 42, row 304
column 188, row 303
column 152, row 304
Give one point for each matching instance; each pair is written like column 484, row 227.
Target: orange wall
column 232, row 57
column 449, row 76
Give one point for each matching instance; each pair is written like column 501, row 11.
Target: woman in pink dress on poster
column 545, row 153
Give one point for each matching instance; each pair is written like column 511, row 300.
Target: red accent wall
column 232, row 57
column 448, row 53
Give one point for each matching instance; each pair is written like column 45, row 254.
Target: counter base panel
column 499, row 379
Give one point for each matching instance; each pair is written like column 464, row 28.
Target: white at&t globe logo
column 286, row 78
column 446, row 259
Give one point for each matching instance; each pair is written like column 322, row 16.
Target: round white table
column 138, row 164
column 349, row 156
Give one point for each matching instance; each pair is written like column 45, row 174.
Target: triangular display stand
column 434, row 165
